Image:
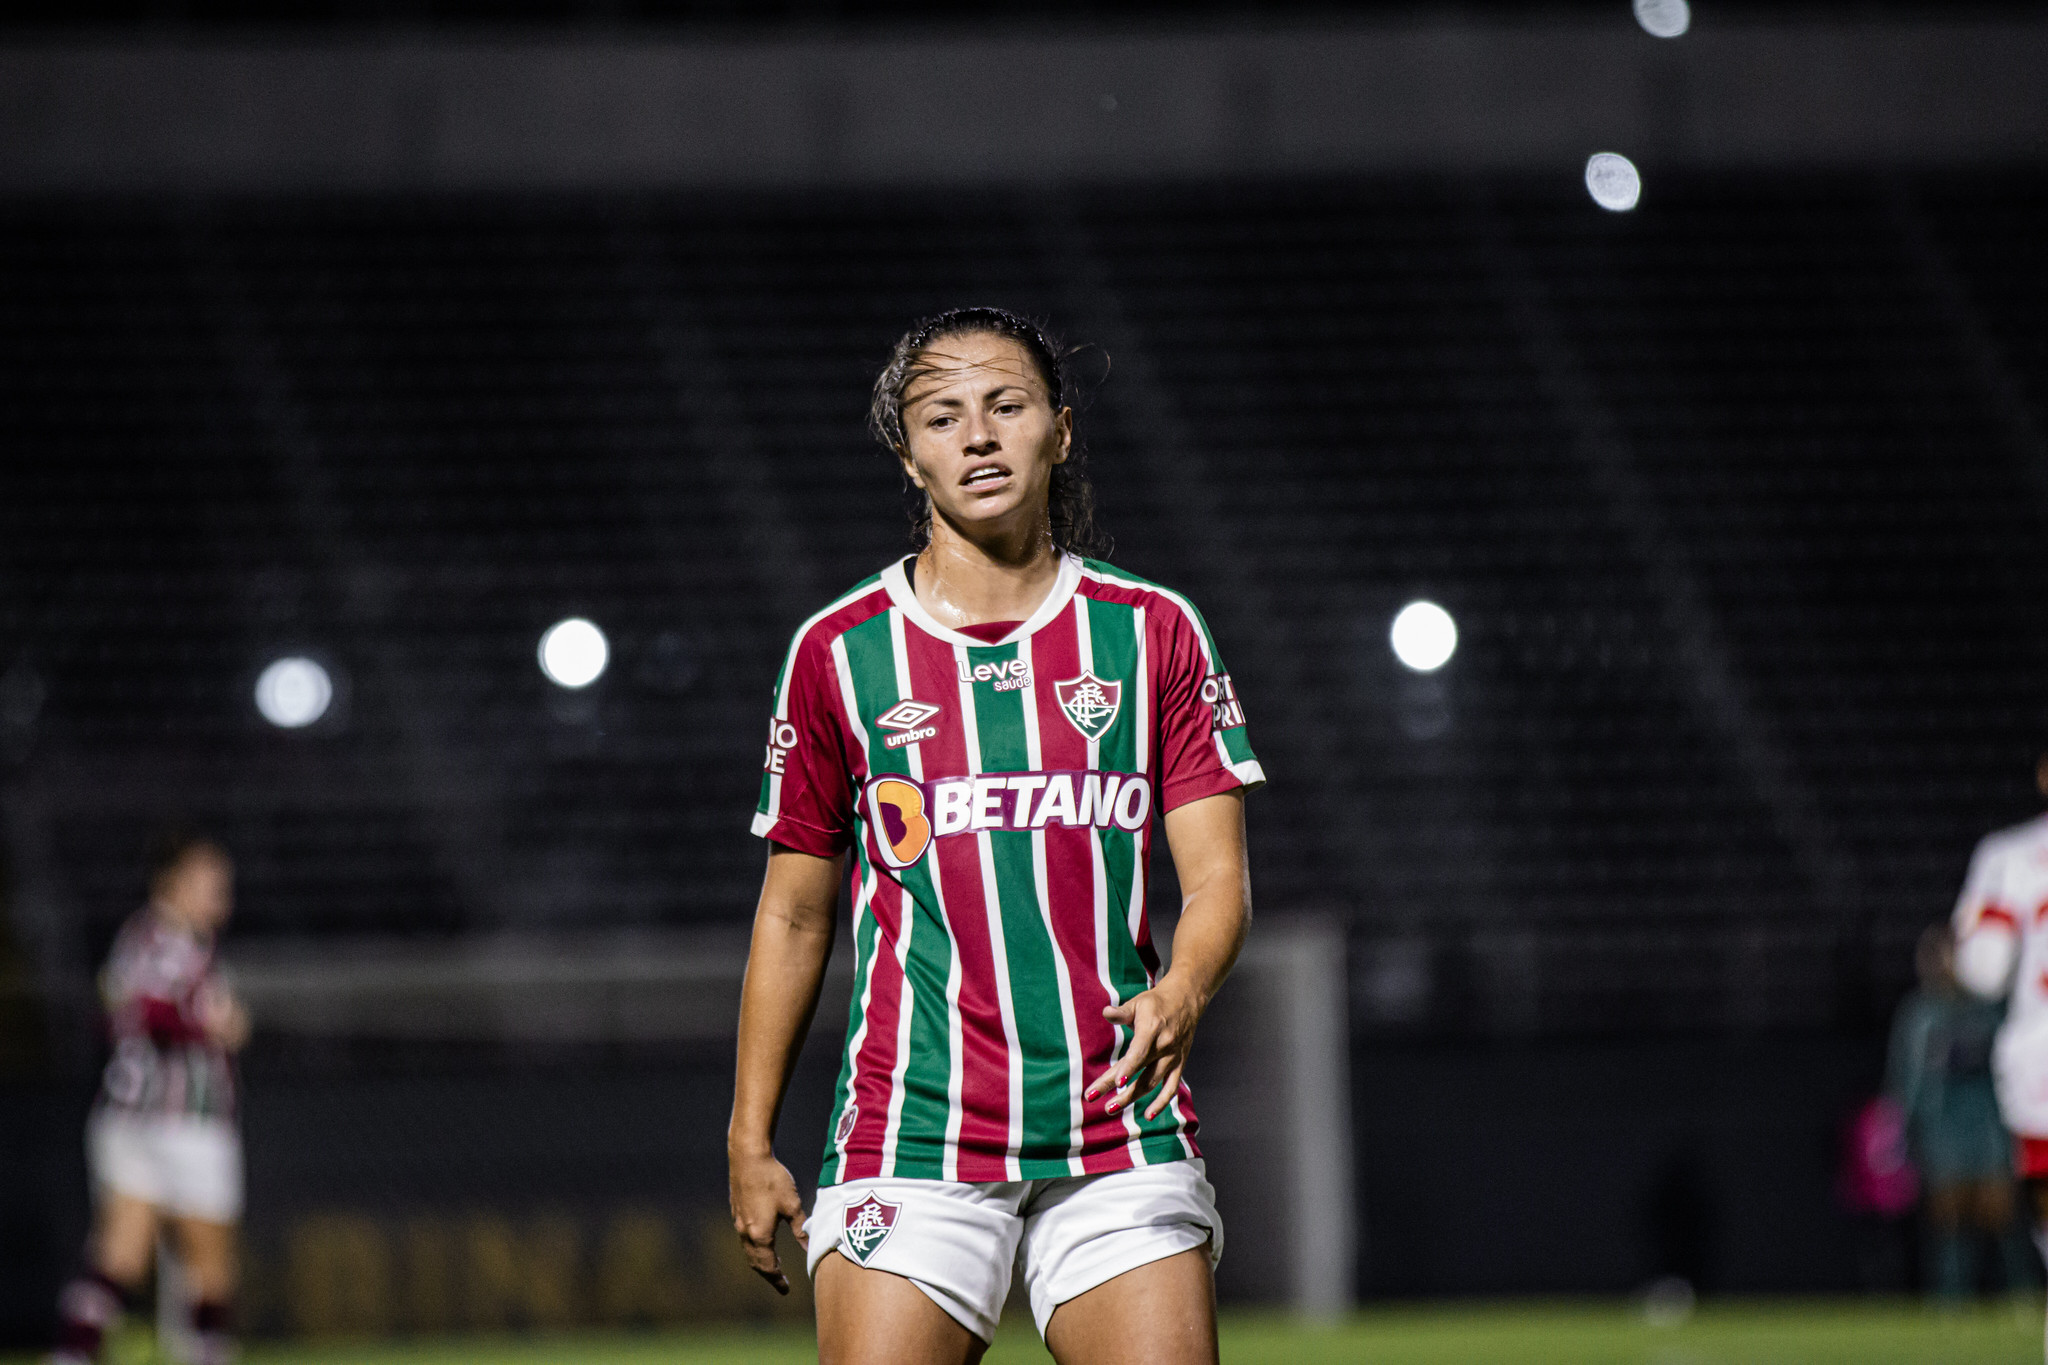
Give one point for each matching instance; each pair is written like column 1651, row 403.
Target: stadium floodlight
column 573, row 653
column 1424, row 636
column 1664, row 18
column 1613, row 181
column 293, row 692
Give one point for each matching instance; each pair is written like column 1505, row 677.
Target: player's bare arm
column 1206, row 839
column 792, row 941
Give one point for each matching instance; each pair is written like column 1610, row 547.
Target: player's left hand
column 223, row 1017
column 1162, row 1024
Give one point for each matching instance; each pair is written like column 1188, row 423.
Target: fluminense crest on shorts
column 1090, row 703
column 868, row 1225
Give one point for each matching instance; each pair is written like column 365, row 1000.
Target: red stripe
column 956, row 864
column 1999, row 914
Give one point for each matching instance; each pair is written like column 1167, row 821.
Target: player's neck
column 964, row 582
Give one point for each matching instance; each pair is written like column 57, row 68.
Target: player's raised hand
column 1162, row 1024
column 764, row 1194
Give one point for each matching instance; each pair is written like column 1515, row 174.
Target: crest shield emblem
column 868, row 1225
column 1090, row 704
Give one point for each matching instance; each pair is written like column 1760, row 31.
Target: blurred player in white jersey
column 2001, row 929
column 163, row 1144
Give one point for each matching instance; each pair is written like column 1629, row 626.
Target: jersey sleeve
column 1203, row 747
column 152, row 990
column 806, row 793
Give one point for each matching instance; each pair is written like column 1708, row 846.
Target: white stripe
column 765, row 820
column 999, row 954
column 1034, row 760
column 844, row 669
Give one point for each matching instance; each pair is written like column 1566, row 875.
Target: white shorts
column 182, row 1164
column 958, row 1242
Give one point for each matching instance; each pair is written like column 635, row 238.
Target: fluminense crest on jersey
column 1090, row 703
column 868, row 1225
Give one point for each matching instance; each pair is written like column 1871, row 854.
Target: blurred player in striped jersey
column 2001, row 931
column 985, row 732
column 162, row 1142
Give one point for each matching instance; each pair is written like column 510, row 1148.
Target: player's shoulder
column 2028, row 839
column 861, row 602
column 1108, row 582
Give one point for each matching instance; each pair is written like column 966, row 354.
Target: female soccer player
column 985, row 730
column 162, row 1142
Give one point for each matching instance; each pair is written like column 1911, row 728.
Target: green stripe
column 1029, row 949
column 871, row 658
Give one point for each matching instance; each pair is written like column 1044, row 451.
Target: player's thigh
column 871, row 1317
column 1161, row 1313
column 206, row 1249
column 124, row 1236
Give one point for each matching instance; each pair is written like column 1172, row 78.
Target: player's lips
column 986, row 476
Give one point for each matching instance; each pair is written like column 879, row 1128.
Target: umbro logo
column 906, row 715
column 907, row 718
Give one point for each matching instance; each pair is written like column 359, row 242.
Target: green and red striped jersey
column 998, row 798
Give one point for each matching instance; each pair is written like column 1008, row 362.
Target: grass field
column 1775, row 1333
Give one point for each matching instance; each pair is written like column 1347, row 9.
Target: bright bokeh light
column 1664, row 18
column 1613, row 181
column 573, row 653
column 293, row 693
column 1424, row 636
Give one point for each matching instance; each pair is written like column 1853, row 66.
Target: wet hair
column 169, row 848
column 1070, row 505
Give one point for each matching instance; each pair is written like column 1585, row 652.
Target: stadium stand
column 1742, row 563
column 1738, row 505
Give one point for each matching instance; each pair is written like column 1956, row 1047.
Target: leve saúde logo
column 868, row 1225
column 1090, row 703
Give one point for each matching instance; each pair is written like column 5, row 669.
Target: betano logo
column 906, row 816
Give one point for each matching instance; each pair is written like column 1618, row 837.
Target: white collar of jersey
column 898, row 584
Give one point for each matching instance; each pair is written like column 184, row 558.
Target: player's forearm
column 1214, row 920
column 785, row 968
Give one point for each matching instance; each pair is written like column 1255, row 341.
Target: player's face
column 980, row 433
column 200, row 890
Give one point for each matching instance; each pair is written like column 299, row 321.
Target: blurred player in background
column 162, row 1143
column 2001, row 929
column 1939, row 1073
column 987, row 729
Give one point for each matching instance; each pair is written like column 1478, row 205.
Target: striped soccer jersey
column 163, row 1062
column 998, row 800
column 2007, row 889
